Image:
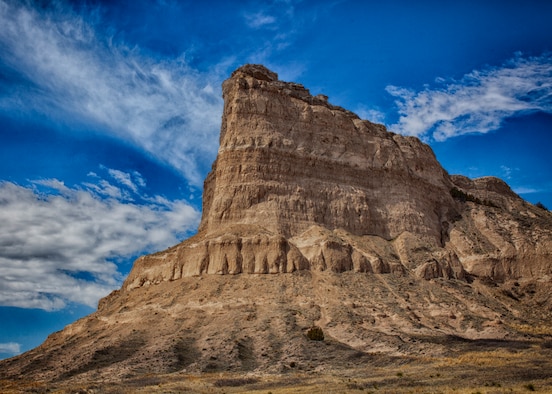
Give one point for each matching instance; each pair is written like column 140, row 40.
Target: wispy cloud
column 259, row 19
column 61, row 244
column 479, row 102
column 371, row 114
column 11, row 348
column 126, row 179
column 276, row 26
column 525, row 190
column 508, row 171
column 70, row 71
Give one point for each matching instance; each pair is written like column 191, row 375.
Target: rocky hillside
column 315, row 217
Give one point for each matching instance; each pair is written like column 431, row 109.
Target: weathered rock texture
column 300, row 184
column 312, row 216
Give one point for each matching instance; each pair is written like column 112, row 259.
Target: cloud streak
column 12, row 348
column 259, row 20
column 479, row 102
column 67, row 70
column 61, row 245
column 525, row 190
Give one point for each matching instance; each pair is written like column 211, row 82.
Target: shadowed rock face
column 362, row 232
column 300, row 184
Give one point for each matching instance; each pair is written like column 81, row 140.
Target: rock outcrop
column 315, row 217
column 301, row 184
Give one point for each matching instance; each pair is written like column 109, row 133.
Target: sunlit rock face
column 301, row 184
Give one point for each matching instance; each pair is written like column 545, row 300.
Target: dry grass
column 493, row 358
column 533, row 329
column 486, row 371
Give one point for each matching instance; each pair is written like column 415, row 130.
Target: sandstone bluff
column 300, row 184
column 315, row 217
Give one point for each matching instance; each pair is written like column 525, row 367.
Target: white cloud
column 371, row 114
column 72, row 73
column 62, row 245
column 10, row 348
column 525, row 190
column 126, row 179
column 277, row 26
column 506, row 172
column 106, row 189
column 123, row 178
column 479, row 102
column 259, row 19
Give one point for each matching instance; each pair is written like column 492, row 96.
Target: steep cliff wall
column 288, row 160
column 301, row 184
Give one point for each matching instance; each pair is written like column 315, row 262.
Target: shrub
column 541, row 206
column 461, row 196
column 315, row 334
column 458, row 194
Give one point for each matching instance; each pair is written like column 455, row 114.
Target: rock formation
column 313, row 216
column 300, row 184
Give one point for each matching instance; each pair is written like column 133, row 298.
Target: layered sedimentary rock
column 301, row 184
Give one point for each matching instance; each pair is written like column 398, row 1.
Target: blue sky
column 110, row 114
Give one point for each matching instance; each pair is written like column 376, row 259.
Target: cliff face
column 300, row 184
column 499, row 236
column 288, row 161
column 364, row 235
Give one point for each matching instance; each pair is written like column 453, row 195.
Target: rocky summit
column 326, row 243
